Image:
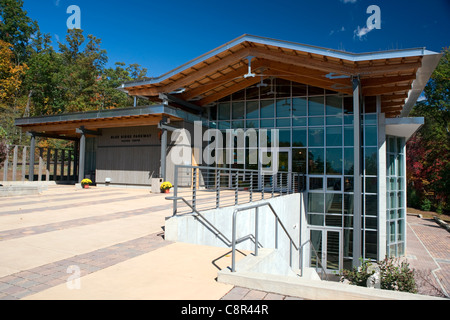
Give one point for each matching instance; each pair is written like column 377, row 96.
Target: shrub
column 426, row 205
column 394, row 275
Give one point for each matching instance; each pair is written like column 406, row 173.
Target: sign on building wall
column 135, row 136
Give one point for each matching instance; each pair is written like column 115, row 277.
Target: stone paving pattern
column 62, row 208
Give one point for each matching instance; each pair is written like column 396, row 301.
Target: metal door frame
column 324, row 249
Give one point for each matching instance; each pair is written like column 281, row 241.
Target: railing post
column 256, row 230
column 276, row 232
column 194, row 188
column 251, row 186
column 233, row 244
column 236, row 189
column 217, row 188
column 274, row 181
column 175, row 190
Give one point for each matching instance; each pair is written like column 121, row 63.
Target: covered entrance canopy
column 77, row 126
column 397, row 76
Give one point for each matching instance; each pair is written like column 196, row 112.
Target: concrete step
column 267, row 272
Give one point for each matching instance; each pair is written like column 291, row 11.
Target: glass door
column 326, row 249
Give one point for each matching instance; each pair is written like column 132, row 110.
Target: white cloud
column 57, row 2
column 361, row 32
column 348, row 1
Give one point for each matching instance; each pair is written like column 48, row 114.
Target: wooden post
column 63, row 154
column 69, row 165
column 5, row 165
column 14, row 173
column 24, row 162
column 32, row 151
column 41, row 165
column 55, row 165
column 47, row 170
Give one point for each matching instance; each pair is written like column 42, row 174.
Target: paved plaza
column 108, row 243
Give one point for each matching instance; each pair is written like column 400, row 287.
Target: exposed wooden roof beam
column 374, row 91
column 375, row 82
column 205, row 71
column 197, row 91
column 317, row 83
column 234, row 88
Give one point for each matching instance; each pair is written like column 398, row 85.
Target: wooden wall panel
column 128, row 155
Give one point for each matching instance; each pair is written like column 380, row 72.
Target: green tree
column 112, row 78
column 42, row 79
column 82, row 65
column 16, row 28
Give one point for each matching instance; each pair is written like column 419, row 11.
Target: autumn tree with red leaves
column 428, row 151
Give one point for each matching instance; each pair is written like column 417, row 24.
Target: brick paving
column 22, row 232
column 428, row 247
column 24, row 283
column 428, row 252
column 79, row 204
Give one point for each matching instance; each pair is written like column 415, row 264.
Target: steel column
column 357, row 187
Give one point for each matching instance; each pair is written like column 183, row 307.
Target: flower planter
column 86, row 186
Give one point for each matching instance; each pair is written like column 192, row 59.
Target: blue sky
column 162, row 35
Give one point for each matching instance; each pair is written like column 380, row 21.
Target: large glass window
column 395, row 200
column 267, row 109
column 317, row 127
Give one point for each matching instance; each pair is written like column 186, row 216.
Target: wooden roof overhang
column 397, row 76
column 66, row 125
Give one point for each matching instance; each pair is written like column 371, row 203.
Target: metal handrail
column 318, row 259
column 235, row 241
column 218, row 232
column 254, row 237
column 287, row 183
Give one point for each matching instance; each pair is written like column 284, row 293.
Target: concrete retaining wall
column 290, row 209
column 9, row 189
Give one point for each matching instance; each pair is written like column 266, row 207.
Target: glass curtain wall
column 395, row 198
column 317, row 126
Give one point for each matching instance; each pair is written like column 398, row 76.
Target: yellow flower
column 86, row 181
column 166, row 185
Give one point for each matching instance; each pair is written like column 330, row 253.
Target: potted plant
column 165, row 187
column 85, row 183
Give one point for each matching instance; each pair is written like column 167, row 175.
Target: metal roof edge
column 354, row 57
column 429, row 64
column 90, row 115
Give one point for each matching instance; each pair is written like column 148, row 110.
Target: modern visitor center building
column 342, row 122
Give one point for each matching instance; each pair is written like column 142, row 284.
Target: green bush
column 394, row 275
column 426, row 205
